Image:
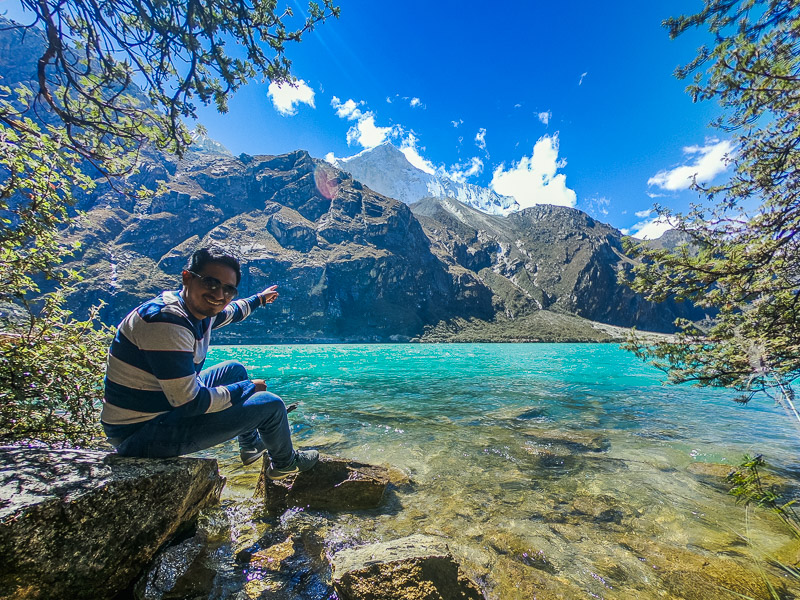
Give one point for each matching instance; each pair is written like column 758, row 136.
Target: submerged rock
column 718, row 476
column 289, row 561
column 694, row 576
column 514, row 579
column 574, row 441
column 598, row 508
column 417, row 567
column 178, row 572
column 83, row 524
column 333, row 484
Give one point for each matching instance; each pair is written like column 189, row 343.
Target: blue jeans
column 262, row 414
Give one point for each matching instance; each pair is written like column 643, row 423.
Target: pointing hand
column 268, row 295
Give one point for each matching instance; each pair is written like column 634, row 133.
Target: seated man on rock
column 159, row 402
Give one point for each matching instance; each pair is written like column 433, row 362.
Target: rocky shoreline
column 86, row 524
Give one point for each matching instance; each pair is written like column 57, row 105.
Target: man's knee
column 231, row 371
column 266, row 404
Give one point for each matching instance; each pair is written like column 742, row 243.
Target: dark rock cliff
column 350, row 263
column 544, row 257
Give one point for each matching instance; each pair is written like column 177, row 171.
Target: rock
column 333, row 484
column 84, row 524
column 574, row 441
column 712, row 473
column 520, row 550
column 600, row 509
column 513, row 579
column 717, row 475
column 289, row 561
column 695, row 576
column 178, row 572
column 412, row 568
column 270, row 558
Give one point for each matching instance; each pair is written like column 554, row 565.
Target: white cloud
column 462, row 171
column 347, row 110
column 286, row 96
column 414, row 102
column 597, row 206
column 457, row 123
column 651, row 229
column 367, row 134
column 409, row 148
column 580, row 82
column 708, row 162
column 534, row 180
column 480, row 138
column 643, row 214
column 545, row 117
column 330, row 158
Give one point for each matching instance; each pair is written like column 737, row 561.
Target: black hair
column 203, row 256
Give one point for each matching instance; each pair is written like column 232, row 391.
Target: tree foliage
column 741, row 262
column 112, row 78
column 130, row 71
column 50, row 364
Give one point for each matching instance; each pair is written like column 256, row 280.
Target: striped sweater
column 154, row 360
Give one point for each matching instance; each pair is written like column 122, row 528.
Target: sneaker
column 251, row 455
column 303, row 461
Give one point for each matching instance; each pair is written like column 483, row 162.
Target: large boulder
column 333, row 484
column 84, row 524
column 417, row 567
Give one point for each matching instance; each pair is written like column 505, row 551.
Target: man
column 158, row 400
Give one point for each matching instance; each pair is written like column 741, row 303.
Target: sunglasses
column 213, row 284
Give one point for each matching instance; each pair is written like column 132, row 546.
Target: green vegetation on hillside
column 743, row 263
column 77, row 115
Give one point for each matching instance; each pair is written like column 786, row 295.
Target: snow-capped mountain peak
column 386, row 170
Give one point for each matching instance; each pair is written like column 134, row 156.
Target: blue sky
column 570, row 102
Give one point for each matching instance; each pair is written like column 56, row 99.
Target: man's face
column 201, row 301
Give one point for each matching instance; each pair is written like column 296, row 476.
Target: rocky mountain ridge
column 354, row 265
column 544, row 257
column 350, row 264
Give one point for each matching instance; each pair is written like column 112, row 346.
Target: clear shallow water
column 561, row 461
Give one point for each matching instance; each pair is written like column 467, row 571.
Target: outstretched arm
column 241, row 309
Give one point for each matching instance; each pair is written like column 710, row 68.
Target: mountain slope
column 352, row 266
column 544, row 257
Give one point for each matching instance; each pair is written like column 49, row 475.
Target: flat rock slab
column 417, row 567
column 333, row 484
column 83, row 524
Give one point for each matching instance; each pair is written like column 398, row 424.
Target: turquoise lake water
column 565, row 452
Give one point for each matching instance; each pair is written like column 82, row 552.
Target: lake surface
column 550, row 466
